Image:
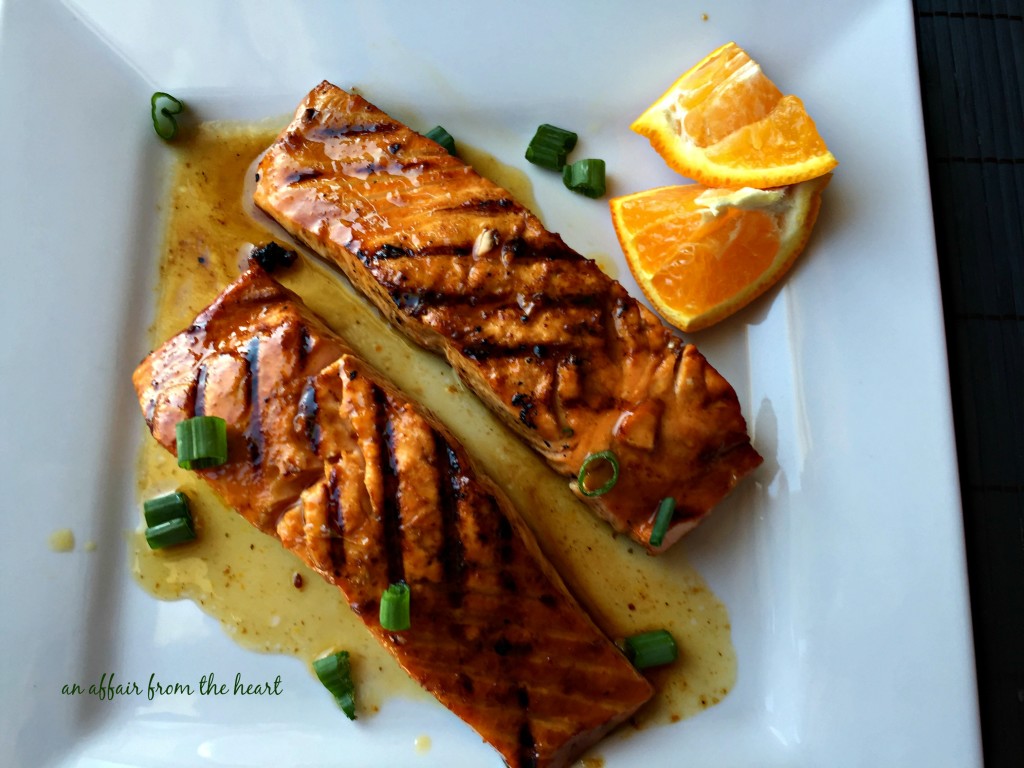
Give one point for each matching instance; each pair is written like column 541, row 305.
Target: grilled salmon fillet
column 368, row 491
column 571, row 362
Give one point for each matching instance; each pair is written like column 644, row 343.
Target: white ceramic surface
column 841, row 561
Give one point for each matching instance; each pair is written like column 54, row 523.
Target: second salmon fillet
column 571, row 362
column 369, row 491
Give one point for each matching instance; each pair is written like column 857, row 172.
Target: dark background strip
column 971, row 56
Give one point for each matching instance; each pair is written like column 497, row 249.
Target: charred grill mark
column 391, row 511
column 199, row 399
column 453, row 552
column 306, row 174
column 389, row 251
column 526, row 753
column 484, row 350
column 335, row 523
column 512, row 250
column 508, row 582
column 305, row 345
column 464, row 681
column 422, row 165
column 613, row 308
column 416, row 301
column 506, row 535
column 254, row 431
column 487, row 207
column 350, row 129
column 526, row 407
column 189, row 406
column 553, row 251
column 372, row 168
column 529, row 303
column 441, row 250
column 709, row 454
column 522, row 697
column 306, row 420
column 430, row 251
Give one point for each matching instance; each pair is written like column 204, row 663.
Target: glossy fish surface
column 568, row 359
column 366, row 489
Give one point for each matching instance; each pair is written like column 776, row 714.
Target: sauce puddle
column 269, row 601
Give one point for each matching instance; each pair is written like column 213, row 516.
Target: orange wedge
column 724, row 124
column 700, row 254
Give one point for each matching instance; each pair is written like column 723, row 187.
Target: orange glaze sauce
column 246, row 579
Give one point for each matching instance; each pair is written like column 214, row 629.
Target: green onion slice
column 167, row 534
column 609, row 484
column 585, row 177
column 170, row 506
column 335, row 672
column 661, row 520
column 202, row 442
column 163, row 108
column 442, row 137
column 550, row 146
column 651, row 649
column 394, row 607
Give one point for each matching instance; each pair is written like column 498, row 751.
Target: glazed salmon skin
column 571, row 362
column 367, row 490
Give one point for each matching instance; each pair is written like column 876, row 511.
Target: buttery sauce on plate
column 265, row 597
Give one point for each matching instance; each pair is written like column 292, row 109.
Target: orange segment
column 701, row 254
column 725, row 124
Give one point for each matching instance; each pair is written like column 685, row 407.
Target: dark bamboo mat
column 971, row 56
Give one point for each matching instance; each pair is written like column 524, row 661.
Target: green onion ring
column 170, row 533
column 162, row 509
column 335, row 673
column 394, row 607
column 611, row 459
column 651, row 649
column 202, row 442
column 441, row 136
column 662, row 519
column 163, row 107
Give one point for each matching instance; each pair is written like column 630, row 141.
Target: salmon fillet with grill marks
column 367, row 490
column 560, row 351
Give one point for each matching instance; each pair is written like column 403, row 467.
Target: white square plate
column 841, row 561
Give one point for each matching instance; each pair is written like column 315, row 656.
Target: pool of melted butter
column 265, row 598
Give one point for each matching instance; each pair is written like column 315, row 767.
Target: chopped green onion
column 550, row 146
column 600, row 456
column 394, row 607
column 442, row 137
column 585, row 177
column 202, row 442
column 651, row 649
column 661, row 521
column 168, row 520
column 163, row 108
column 164, row 508
column 167, row 534
column 335, row 673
